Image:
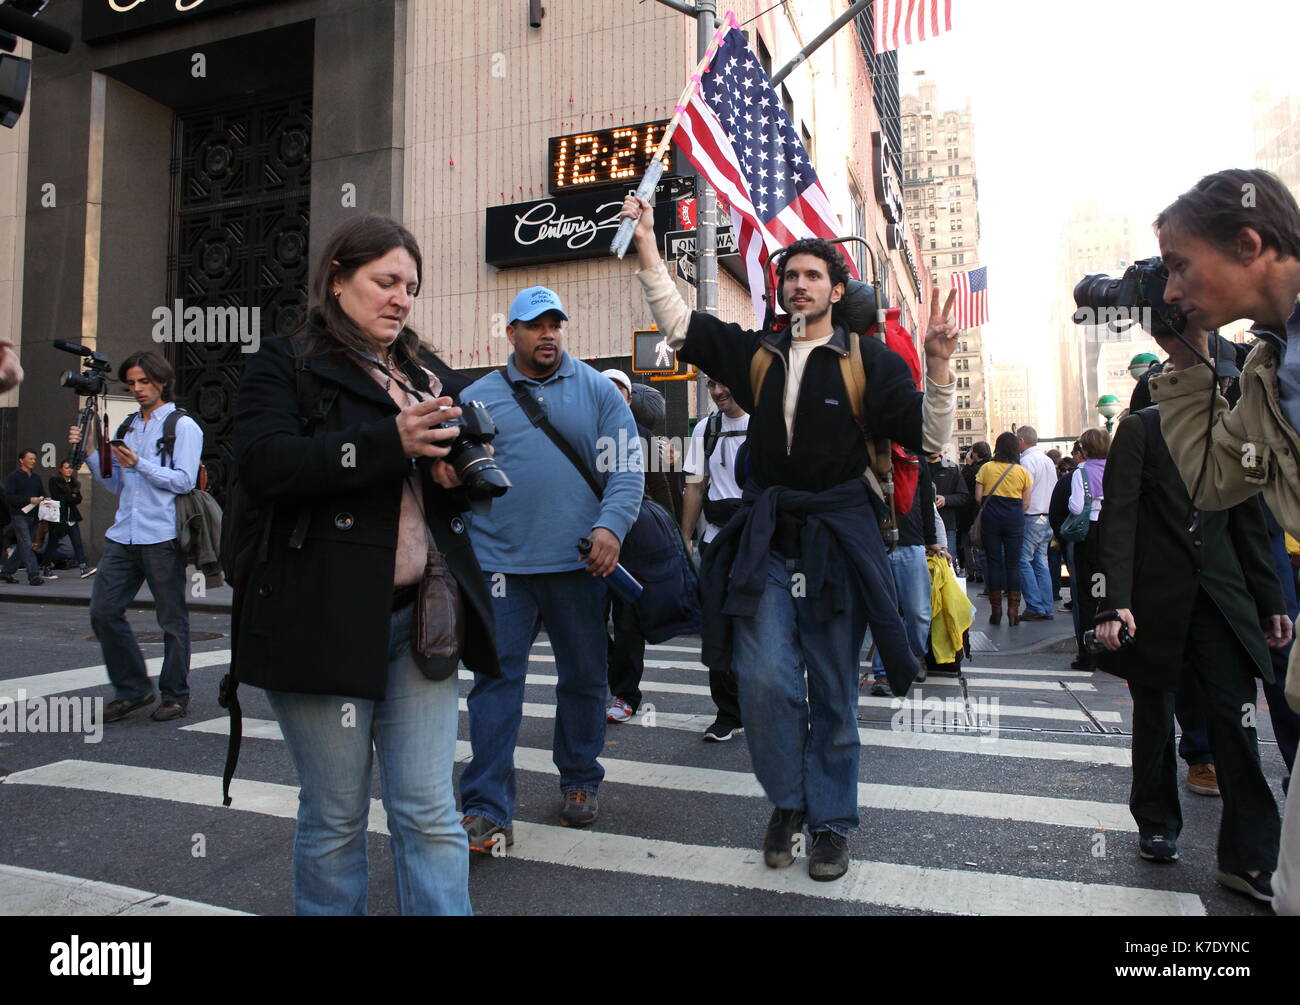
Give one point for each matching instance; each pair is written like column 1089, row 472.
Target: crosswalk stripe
column 1011, row 711
column 34, row 893
column 1005, row 683
column 907, row 887
column 961, row 802
column 42, row 685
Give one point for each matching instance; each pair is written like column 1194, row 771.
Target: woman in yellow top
column 1002, row 524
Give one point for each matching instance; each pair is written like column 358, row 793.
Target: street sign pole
column 706, row 247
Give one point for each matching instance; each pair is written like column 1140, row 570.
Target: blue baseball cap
column 534, row 302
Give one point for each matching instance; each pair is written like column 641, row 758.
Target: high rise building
column 1277, row 136
column 1094, row 242
column 941, row 200
column 1010, row 404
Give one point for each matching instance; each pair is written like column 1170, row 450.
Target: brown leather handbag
column 439, row 628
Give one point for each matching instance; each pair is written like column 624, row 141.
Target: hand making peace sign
column 940, row 334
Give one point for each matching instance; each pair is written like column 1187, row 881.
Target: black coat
column 950, row 483
column 69, row 494
column 1153, row 566
column 828, row 447
column 315, row 619
column 967, row 515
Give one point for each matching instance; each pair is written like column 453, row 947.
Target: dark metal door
column 241, row 196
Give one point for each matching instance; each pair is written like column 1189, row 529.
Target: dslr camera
column 478, row 470
column 92, row 380
column 1137, row 297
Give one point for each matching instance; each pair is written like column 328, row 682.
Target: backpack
column 210, row 513
column 167, row 442
column 713, row 432
column 895, row 494
column 246, row 522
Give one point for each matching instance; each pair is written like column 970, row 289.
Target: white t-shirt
column 799, row 350
column 722, row 465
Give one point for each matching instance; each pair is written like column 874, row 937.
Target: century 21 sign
column 102, row 20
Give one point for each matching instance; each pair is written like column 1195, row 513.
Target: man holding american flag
column 799, row 572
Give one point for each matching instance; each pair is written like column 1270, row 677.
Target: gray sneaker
column 580, row 808
column 483, row 834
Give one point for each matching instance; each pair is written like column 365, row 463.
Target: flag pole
column 649, row 181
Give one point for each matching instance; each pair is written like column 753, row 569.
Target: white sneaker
column 620, row 711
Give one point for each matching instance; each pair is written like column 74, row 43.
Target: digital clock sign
column 605, row 156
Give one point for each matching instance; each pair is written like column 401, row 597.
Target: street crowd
column 383, row 538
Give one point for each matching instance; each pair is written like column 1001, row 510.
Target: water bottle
column 622, row 582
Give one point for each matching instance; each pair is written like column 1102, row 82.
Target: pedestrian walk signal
column 651, row 354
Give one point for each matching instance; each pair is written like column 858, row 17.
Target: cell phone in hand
column 117, row 443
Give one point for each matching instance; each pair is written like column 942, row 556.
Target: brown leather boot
column 995, row 602
column 1013, row 608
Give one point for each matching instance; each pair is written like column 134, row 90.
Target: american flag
column 902, row 22
column 971, row 308
column 736, row 133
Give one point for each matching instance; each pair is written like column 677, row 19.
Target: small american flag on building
column 971, row 308
column 735, row 131
column 902, row 22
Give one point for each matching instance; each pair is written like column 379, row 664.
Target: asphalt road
column 1029, row 818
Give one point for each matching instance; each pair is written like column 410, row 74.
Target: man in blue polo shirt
column 528, row 548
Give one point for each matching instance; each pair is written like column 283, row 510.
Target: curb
column 207, row 606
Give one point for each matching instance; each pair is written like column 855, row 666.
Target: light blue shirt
column 1288, row 367
column 534, row 528
column 146, row 505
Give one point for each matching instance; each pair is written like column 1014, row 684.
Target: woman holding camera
column 357, row 592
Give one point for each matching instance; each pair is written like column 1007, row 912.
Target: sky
column 1127, row 102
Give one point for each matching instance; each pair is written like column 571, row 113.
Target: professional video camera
column 91, row 384
column 470, row 456
column 1137, row 297
column 91, row 381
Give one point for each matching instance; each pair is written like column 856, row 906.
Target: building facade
column 941, row 198
column 194, row 161
column 1010, row 403
column 1094, row 242
column 1277, row 136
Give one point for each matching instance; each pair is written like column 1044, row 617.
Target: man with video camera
column 146, row 475
column 802, row 568
column 1231, row 245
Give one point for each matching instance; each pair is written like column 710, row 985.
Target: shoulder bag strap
column 984, row 501
column 537, row 416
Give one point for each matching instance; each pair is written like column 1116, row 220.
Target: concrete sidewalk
column 1027, row 637
column 71, row 589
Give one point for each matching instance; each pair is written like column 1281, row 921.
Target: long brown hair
column 355, row 243
column 155, row 367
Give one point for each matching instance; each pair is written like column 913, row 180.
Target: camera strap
column 373, row 361
column 537, row 416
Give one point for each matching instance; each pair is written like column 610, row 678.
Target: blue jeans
column 23, row 527
column 122, row 569
column 572, row 606
column 1003, row 530
column 912, row 581
column 332, row 741
column 798, row 682
column 1035, row 577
